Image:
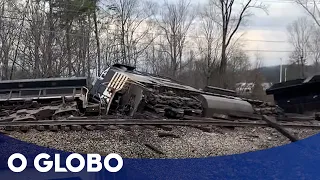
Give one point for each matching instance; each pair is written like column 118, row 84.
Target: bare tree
column 238, row 66
column 50, row 39
column 19, row 38
column 96, row 31
column 312, row 8
column 33, row 42
column 314, row 48
column 59, row 38
column 133, row 24
column 299, row 33
column 175, row 21
column 8, row 33
column 36, row 35
column 209, row 46
column 232, row 15
column 258, row 91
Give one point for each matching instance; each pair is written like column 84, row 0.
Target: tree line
column 65, row 38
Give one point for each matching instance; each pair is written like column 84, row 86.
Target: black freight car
column 297, row 96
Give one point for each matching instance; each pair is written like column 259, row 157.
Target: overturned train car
column 119, row 91
column 132, row 93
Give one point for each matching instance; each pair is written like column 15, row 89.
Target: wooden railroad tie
column 272, row 123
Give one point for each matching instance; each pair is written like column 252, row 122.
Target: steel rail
column 129, row 122
column 150, row 122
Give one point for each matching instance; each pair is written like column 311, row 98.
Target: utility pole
column 280, row 70
column 285, row 74
column 302, row 66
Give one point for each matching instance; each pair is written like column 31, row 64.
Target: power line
column 279, row 2
column 266, row 50
column 190, row 47
column 259, row 40
column 250, row 40
column 285, row 1
column 203, row 37
column 263, row 50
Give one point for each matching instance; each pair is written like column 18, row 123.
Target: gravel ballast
column 144, row 142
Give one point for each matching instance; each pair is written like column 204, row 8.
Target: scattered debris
column 165, row 134
column 76, row 127
column 90, row 127
column 166, row 127
column 204, row 129
column 153, row 148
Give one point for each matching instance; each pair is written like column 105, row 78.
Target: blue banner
column 298, row 160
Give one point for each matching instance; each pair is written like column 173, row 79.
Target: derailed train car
column 120, row 90
column 130, row 91
column 297, row 96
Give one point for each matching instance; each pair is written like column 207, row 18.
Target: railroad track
column 204, row 124
column 175, row 122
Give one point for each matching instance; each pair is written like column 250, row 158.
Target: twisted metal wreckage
column 122, row 95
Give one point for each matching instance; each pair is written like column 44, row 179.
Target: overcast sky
column 272, row 27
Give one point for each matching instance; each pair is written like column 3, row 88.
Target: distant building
column 245, row 88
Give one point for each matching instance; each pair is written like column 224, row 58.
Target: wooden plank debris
column 272, row 122
column 153, row 148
